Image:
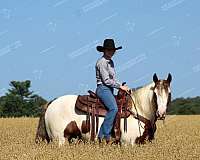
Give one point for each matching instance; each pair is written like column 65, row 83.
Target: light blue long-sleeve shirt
column 105, row 73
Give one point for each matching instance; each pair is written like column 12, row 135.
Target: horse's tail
column 41, row 133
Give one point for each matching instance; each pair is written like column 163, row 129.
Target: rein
column 135, row 116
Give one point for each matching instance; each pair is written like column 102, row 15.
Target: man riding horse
column 106, row 82
column 73, row 116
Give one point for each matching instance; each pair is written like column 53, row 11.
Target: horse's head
column 162, row 93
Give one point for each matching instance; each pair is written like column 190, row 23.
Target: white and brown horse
column 60, row 121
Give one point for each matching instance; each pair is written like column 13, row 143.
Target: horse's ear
column 155, row 78
column 130, row 91
column 169, row 78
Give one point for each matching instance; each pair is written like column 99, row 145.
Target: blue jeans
column 106, row 95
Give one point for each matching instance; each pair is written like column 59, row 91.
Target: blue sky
column 53, row 43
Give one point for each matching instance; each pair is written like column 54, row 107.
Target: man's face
column 109, row 53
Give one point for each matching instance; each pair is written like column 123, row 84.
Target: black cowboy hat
column 108, row 44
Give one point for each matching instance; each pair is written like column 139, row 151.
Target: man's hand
column 124, row 88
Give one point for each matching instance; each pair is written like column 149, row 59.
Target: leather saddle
column 93, row 107
column 84, row 104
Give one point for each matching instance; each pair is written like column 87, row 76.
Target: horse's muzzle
column 160, row 117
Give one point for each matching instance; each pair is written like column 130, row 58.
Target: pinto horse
column 60, row 121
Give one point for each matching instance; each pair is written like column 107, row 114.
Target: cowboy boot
column 108, row 141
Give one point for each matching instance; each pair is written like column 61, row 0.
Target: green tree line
column 20, row 101
column 185, row 106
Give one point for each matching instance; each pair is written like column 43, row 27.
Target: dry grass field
column 179, row 138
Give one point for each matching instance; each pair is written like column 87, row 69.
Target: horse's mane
column 148, row 85
column 141, row 96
